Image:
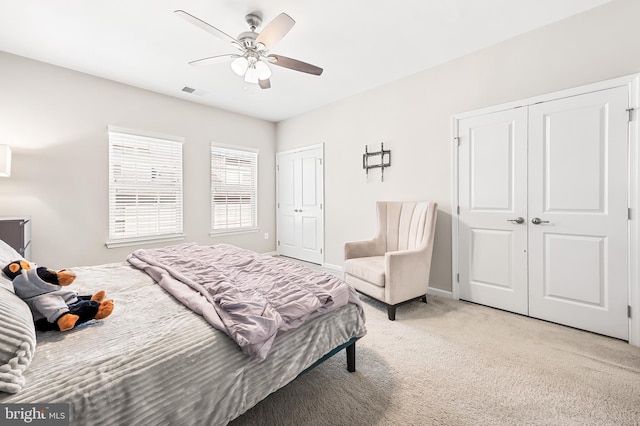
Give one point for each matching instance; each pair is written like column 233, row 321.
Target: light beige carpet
column 455, row 363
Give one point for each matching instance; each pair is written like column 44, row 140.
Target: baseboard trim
column 337, row 268
column 440, row 293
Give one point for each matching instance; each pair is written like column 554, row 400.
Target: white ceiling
column 360, row 44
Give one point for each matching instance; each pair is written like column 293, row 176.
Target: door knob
column 538, row 221
column 517, row 220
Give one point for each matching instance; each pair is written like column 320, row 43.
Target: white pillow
column 7, row 255
column 17, row 331
column 17, row 341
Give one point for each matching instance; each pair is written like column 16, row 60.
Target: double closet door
column 542, row 226
column 299, row 193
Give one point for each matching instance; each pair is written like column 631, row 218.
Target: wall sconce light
column 5, row 161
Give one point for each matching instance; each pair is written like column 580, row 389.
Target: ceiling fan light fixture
column 264, row 72
column 240, row 65
column 251, row 76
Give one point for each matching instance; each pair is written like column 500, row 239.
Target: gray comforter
column 249, row 296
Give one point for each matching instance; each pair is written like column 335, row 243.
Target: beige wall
column 55, row 121
column 413, row 118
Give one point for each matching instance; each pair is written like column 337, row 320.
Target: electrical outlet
column 266, row 235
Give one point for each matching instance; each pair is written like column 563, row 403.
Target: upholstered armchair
column 394, row 266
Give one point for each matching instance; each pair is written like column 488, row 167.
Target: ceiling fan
column 253, row 59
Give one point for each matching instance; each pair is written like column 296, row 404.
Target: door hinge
column 320, row 160
column 278, row 243
column 320, row 251
column 628, row 311
column 320, row 206
column 458, row 277
column 630, row 111
column 458, row 210
column 457, row 140
column 629, row 213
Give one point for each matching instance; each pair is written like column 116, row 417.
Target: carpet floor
column 450, row 362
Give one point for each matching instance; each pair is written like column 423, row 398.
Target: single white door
column 492, row 246
column 300, row 190
column 578, row 211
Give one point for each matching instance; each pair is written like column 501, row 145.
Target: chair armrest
column 416, row 259
column 407, row 274
column 366, row 248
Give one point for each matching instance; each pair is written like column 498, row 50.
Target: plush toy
column 53, row 307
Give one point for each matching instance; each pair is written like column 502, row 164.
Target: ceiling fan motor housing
column 248, row 39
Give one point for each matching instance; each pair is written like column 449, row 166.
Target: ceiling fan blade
column 208, row 28
column 275, row 30
column 264, row 84
column 294, row 64
column 213, row 60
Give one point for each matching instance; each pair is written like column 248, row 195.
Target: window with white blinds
column 145, row 187
column 234, row 189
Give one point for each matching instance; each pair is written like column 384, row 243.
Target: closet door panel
column 492, row 245
column 299, row 192
column 578, row 211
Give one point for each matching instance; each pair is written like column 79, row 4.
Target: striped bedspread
column 155, row 362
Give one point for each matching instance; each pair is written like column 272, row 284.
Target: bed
column 154, row 361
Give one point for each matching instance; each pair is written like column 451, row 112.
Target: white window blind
column 145, row 187
column 234, row 189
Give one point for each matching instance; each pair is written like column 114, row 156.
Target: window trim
column 240, row 230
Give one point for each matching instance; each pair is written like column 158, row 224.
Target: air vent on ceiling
column 191, row 90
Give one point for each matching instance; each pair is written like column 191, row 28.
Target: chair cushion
column 370, row 269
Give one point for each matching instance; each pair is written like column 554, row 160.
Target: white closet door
column 300, row 187
column 578, row 211
column 493, row 195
